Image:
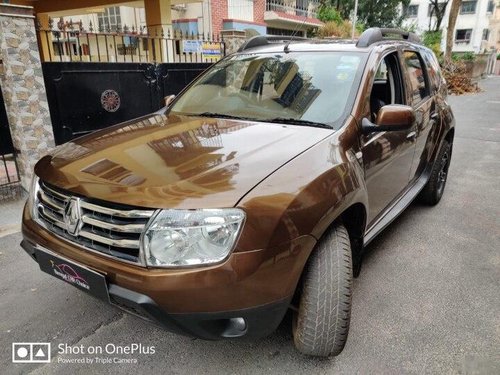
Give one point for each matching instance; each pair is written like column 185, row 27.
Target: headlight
column 33, row 197
column 191, row 237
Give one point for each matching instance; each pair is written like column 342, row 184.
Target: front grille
column 110, row 230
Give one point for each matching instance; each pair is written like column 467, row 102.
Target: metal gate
column 84, row 97
column 9, row 172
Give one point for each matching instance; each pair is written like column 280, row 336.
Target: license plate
column 79, row 276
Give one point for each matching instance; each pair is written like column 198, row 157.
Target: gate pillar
column 23, row 87
column 158, row 22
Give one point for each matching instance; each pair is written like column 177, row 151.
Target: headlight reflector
column 191, row 237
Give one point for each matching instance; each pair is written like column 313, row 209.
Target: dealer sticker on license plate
column 81, row 277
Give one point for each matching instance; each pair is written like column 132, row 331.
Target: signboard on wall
column 191, row 46
column 211, row 50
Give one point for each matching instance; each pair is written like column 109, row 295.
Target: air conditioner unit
column 179, row 7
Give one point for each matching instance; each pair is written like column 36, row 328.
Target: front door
column 387, row 156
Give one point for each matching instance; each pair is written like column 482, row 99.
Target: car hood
column 172, row 161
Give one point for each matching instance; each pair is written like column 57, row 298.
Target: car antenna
column 286, row 49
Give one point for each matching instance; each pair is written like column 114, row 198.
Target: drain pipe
column 354, row 19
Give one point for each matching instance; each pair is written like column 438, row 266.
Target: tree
column 381, row 13
column 438, row 9
column 327, row 13
column 450, row 33
column 371, row 13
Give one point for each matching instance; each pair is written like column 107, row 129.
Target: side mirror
column 391, row 117
column 169, row 99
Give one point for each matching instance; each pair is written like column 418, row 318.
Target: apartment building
column 472, row 30
column 276, row 17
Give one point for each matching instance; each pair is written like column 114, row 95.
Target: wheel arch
column 353, row 217
column 450, row 135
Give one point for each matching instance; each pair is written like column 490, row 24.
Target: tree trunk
column 452, row 20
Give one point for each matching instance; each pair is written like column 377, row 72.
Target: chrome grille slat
column 51, row 202
column 129, row 214
column 126, row 228
column 132, row 244
column 51, row 217
column 55, row 193
column 111, row 231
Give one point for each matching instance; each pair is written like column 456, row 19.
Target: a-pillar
column 23, row 88
column 158, row 22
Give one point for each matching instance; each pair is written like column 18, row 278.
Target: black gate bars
column 69, row 41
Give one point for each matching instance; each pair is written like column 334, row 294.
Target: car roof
column 319, row 45
column 369, row 39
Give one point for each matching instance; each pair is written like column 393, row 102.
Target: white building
column 472, row 30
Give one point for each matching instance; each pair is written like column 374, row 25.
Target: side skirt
column 398, row 206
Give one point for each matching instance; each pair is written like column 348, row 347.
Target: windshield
column 301, row 88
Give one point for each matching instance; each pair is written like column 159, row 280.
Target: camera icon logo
column 31, row 352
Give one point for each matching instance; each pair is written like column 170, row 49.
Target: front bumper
column 247, row 295
column 251, row 322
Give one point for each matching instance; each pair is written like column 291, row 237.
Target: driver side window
column 387, row 87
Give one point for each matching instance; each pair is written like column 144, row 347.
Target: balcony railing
column 71, row 42
column 294, row 7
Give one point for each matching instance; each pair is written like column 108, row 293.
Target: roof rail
column 376, row 34
column 262, row 40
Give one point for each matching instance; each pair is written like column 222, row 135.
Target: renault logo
column 72, row 216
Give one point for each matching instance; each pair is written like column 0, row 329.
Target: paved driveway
column 427, row 301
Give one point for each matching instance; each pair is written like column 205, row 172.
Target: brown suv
column 255, row 191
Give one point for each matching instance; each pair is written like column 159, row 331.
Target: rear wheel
column 321, row 324
column 434, row 189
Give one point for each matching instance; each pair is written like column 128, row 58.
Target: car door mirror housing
column 391, row 117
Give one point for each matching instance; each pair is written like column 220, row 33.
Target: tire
column 433, row 191
column 321, row 324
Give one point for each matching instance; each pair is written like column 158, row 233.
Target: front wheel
column 321, row 325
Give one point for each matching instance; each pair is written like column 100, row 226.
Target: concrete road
column 427, row 301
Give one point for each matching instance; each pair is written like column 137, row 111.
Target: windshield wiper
column 294, row 121
column 219, row 115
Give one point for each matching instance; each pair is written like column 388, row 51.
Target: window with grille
column 240, row 9
column 411, row 11
column 486, row 34
column 491, row 6
column 432, row 11
column 468, row 7
column 110, row 19
column 463, row 35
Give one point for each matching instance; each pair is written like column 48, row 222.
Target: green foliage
column 381, row 13
column 432, row 40
column 371, row 13
column 498, row 56
column 360, row 27
column 466, row 56
column 328, row 13
column 333, row 29
column 412, row 28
